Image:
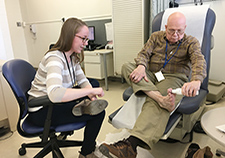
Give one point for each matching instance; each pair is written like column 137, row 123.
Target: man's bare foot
column 166, row 102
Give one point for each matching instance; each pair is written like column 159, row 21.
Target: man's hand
column 138, row 74
column 190, row 89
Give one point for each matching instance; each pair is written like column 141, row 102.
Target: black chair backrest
column 19, row 74
column 206, row 43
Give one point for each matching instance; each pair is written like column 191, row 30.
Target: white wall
column 5, row 40
column 16, row 33
column 42, row 10
column 24, row 46
column 217, row 71
column 218, row 52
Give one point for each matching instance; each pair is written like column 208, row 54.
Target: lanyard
column 72, row 78
column 166, row 61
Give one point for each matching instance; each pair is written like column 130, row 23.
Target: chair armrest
column 112, row 115
column 39, row 101
column 189, row 105
column 45, row 102
column 127, row 93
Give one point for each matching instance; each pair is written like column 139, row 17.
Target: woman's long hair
column 69, row 29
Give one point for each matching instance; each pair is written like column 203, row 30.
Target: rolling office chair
column 183, row 119
column 19, row 74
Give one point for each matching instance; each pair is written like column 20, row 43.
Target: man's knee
column 127, row 68
column 124, row 67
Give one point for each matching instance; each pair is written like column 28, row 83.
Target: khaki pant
column 151, row 123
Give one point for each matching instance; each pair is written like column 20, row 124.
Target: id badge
column 159, row 76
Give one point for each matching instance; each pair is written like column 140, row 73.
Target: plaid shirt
column 188, row 58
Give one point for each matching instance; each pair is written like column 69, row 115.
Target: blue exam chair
column 19, row 74
column 183, row 119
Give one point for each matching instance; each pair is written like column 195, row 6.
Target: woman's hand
column 96, row 92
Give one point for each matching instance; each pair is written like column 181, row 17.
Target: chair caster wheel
column 220, row 152
column 217, row 154
column 22, row 151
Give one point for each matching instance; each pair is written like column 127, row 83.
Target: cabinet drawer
column 93, row 70
column 92, row 59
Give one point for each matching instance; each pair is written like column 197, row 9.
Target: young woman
column 61, row 78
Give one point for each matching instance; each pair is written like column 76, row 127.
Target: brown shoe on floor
column 121, row 149
column 92, row 155
column 193, row 147
column 89, row 107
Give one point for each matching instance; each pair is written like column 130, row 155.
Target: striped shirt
column 53, row 77
column 187, row 60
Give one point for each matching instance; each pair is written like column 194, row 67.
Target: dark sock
column 135, row 142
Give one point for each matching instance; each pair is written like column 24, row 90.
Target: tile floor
column 9, row 147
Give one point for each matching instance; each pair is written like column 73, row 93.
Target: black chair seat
column 30, row 128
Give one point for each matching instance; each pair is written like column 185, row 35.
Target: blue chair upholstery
column 190, row 108
column 19, row 74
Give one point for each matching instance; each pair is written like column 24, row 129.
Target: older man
column 165, row 62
